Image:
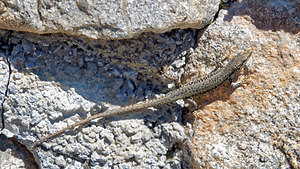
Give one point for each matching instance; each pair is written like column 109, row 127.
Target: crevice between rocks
column 223, row 5
column 186, row 116
column 6, row 92
column 14, row 142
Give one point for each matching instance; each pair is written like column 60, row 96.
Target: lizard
column 197, row 86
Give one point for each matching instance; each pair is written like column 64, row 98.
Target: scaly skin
column 198, row 86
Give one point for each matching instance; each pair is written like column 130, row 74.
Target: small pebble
column 17, row 76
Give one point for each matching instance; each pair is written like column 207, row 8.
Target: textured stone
column 256, row 125
column 103, row 19
column 4, row 79
column 57, row 79
column 15, row 155
column 51, row 87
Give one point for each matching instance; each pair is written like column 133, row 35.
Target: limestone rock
column 55, row 84
column 103, row 19
column 15, row 155
column 58, row 79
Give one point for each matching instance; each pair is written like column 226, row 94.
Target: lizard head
column 241, row 59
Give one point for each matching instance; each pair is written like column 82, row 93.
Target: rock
column 59, row 79
column 48, row 92
column 4, row 78
column 256, row 125
column 103, row 19
column 15, row 155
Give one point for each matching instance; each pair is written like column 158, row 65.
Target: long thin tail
column 121, row 110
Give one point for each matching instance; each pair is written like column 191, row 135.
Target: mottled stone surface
column 102, row 19
column 256, row 125
column 4, row 78
column 15, row 155
column 58, row 80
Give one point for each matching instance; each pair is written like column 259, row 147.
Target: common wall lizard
column 197, row 86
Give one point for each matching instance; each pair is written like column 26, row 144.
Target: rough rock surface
column 102, row 19
column 15, row 155
column 57, row 79
column 12, row 153
column 4, row 79
column 256, row 125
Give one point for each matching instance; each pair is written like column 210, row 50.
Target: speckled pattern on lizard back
column 197, row 86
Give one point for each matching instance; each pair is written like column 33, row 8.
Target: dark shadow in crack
column 267, row 15
column 15, row 155
column 5, row 59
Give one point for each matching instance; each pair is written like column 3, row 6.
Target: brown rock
column 258, row 124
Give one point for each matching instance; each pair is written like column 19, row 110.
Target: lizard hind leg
column 165, row 72
column 191, row 105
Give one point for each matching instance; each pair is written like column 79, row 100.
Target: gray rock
column 15, row 155
column 60, row 79
column 4, row 79
column 50, row 91
column 105, row 19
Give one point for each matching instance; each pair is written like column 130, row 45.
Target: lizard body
column 197, row 86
